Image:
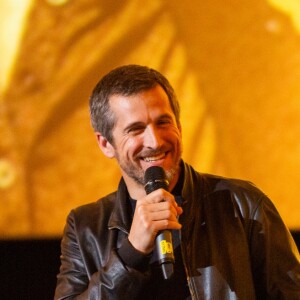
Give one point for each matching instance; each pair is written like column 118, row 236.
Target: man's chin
column 137, row 177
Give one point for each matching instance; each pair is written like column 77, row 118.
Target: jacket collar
column 121, row 217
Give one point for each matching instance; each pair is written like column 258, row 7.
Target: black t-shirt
column 157, row 287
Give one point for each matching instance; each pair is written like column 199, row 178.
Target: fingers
column 157, row 206
column 158, row 211
column 157, row 196
column 155, row 212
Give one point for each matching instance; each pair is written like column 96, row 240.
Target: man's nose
column 152, row 137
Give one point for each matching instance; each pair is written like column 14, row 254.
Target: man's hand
column 153, row 213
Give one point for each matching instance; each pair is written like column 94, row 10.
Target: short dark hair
column 126, row 81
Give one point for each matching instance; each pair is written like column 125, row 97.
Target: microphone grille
column 155, row 178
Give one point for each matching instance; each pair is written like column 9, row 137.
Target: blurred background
column 235, row 67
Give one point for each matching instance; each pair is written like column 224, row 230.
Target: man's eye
column 136, row 129
column 164, row 122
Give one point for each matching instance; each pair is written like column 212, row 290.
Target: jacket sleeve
column 274, row 254
column 112, row 281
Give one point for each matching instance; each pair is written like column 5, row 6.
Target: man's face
column 145, row 134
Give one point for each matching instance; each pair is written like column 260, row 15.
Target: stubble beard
column 137, row 173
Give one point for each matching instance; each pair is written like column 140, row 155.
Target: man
column 229, row 241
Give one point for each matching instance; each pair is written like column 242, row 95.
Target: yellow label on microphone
column 165, row 247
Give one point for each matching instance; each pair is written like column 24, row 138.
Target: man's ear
column 105, row 146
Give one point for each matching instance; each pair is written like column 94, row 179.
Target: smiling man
column 229, row 240
column 146, row 133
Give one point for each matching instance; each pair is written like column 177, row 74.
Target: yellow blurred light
column 289, row 7
column 7, row 174
column 12, row 17
column 57, row 2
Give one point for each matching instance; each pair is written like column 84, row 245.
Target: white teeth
column 154, row 158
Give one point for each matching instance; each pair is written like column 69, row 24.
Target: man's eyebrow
column 166, row 115
column 133, row 124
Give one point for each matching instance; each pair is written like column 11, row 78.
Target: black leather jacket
column 233, row 241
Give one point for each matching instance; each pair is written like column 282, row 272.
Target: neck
column 135, row 190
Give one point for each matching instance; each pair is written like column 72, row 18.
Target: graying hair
column 126, row 80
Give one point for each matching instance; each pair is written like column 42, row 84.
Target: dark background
column 29, row 268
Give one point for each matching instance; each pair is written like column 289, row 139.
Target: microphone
column 155, row 178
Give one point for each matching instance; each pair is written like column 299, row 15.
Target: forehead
column 146, row 103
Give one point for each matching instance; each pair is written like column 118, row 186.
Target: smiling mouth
column 154, row 158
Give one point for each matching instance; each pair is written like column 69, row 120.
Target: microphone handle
column 165, row 252
column 155, row 178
